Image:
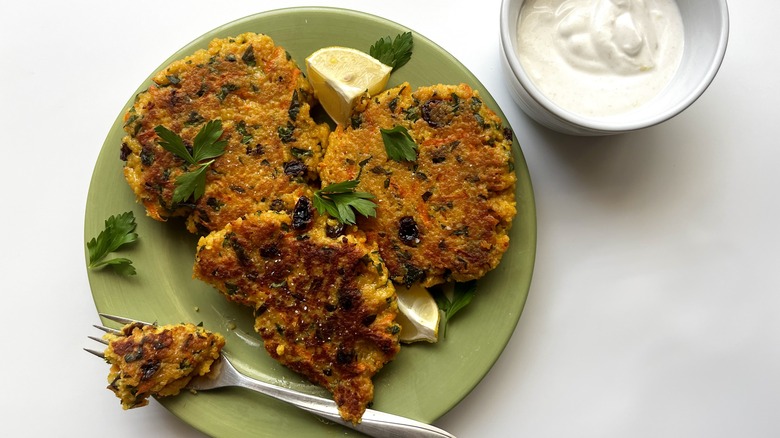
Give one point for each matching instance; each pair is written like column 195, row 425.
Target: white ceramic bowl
column 706, row 29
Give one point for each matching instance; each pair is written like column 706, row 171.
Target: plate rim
column 531, row 237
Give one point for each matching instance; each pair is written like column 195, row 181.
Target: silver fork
column 224, row 374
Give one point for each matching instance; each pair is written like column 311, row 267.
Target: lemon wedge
column 340, row 75
column 418, row 314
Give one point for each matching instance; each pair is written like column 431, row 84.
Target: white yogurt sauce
column 600, row 57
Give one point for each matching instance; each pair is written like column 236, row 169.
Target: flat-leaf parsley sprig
column 462, row 294
column 341, row 201
column 119, row 230
column 399, row 144
column 205, row 146
column 393, row 52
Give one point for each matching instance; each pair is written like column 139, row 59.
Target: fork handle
column 374, row 423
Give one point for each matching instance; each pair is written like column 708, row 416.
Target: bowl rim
column 589, row 124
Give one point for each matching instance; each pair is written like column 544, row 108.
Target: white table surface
column 654, row 306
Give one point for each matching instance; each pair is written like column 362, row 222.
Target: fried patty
column 446, row 215
column 323, row 302
column 149, row 360
column 273, row 144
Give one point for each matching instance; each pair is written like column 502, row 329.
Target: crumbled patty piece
column 273, row 144
column 323, row 302
column 445, row 216
column 150, row 360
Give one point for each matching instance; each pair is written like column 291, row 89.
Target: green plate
column 424, row 381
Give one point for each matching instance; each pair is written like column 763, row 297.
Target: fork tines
column 121, row 319
column 107, row 329
column 95, row 352
column 114, row 318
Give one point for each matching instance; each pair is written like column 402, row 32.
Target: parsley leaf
column 341, row 201
column 205, row 146
column 118, row 231
column 171, row 142
column 191, row 183
column 393, row 52
column 399, row 145
column 120, row 265
column 462, row 295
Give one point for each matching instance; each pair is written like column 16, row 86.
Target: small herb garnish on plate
column 393, row 52
column 119, row 230
column 341, row 201
column 462, row 295
column 205, row 146
column 399, row 145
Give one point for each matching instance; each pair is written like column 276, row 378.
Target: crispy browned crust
column 324, row 306
column 263, row 101
column 149, row 360
column 446, row 216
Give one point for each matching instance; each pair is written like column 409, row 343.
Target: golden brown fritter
column 445, row 216
column 150, row 360
column 323, row 302
column 263, row 101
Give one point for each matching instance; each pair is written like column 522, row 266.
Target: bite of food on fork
column 148, row 359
